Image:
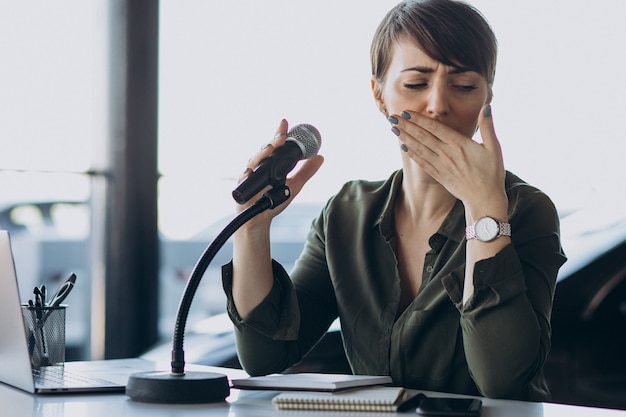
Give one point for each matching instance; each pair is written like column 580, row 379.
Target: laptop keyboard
column 58, row 376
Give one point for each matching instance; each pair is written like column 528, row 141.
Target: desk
column 16, row 403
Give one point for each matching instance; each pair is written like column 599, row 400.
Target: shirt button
column 429, row 269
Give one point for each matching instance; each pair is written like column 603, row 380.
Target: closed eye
column 466, row 88
column 415, row 86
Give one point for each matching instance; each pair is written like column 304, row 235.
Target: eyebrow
column 429, row 70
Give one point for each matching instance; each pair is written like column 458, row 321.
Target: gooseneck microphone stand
column 179, row 386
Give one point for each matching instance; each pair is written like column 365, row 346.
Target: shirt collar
column 453, row 226
column 384, row 219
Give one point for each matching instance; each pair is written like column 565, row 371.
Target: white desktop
column 240, row 403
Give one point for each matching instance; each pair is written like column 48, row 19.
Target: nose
column 437, row 104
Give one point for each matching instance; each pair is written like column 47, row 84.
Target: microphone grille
column 308, row 137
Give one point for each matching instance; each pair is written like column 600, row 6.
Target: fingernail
column 395, row 131
column 247, row 171
column 488, row 111
column 405, row 115
column 264, row 147
column 404, row 148
column 393, row 120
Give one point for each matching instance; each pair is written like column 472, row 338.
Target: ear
column 378, row 96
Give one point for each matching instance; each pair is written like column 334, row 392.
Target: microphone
column 303, row 142
column 199, row 386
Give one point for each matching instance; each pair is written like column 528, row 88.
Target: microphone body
column 303, row 142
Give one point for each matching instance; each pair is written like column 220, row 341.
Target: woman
column 442, row 275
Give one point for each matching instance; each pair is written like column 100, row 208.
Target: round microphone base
column 163, row 387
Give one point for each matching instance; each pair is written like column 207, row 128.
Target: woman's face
column 416, row 82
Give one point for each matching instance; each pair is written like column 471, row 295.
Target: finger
column 419, row 152
column 435, row 128
column 423, row 146
column 277, row 141
column 487, row 130
column 295, row 183
column 266, row 150
column 412, row 136
column 308, row 168
column 281, row 134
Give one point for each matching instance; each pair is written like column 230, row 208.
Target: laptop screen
column 15, row 369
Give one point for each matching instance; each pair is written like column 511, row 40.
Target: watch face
column 486, row 229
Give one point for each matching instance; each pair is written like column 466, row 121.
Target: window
column 230, row 71
column 53, row 125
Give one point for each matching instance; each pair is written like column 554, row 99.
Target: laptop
column 16, row 369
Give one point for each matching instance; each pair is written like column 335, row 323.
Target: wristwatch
column 487, row 229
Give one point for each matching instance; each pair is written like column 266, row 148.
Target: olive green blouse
column 495, row 345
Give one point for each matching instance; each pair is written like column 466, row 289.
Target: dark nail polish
column 405, row 115
column 393, row 120
column 404, row 148
column 395, row 131
column 488, row 111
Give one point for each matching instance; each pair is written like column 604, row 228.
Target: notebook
column 16, row 370
column 310, row 381
column 378, row 398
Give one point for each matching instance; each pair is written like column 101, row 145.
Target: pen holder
column 45, row 334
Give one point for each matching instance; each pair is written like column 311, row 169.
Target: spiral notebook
column 379, row 398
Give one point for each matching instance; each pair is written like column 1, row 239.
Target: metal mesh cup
column 45, row 333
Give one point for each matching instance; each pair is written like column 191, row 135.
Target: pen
column 60, row 294
column 63, row 291
column 31, row 343
column 32, row 338
column 43, row 295
column 38, row 305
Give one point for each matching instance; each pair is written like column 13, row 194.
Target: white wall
column 231, row 71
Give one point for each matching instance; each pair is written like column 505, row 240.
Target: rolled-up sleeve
column 294, row 315
column 262, row 336
column 506, row 323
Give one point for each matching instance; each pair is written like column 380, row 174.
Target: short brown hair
column 451, row 32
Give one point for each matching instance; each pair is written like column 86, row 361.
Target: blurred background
column 124, row 125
